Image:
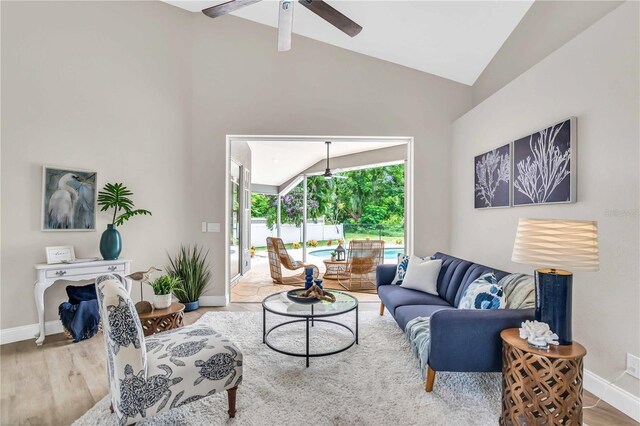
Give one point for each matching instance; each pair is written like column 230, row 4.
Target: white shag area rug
column 374, row 383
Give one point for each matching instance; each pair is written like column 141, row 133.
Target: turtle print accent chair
column 167, row 370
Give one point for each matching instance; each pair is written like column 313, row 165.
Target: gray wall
column 99, row 86
column 594, row 77
column 545, row 27
column 243, row 86
column 145, row 93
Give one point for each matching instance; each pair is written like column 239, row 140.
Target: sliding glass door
column 235, row 231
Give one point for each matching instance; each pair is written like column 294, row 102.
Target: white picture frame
column 60, row 254
column 81, row 215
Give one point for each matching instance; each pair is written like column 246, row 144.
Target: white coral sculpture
column 538, row 177
column 492, row 169
column 538, row 334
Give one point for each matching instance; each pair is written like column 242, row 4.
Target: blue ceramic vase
column 308, row 279
column 110, row 243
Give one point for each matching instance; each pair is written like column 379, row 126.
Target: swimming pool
column 390, row 253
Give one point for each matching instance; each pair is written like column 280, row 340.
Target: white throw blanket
column 419, row 336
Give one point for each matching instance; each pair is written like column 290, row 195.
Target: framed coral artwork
column 492, row 178
column 544, row 166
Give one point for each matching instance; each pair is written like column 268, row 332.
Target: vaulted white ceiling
column 451, row 39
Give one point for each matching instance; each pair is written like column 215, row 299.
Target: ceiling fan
column 327, row 173
column 285, row 17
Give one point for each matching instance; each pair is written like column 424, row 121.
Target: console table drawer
column 63, row 272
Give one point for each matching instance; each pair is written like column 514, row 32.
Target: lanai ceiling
column 452, row 39
column 275, row 162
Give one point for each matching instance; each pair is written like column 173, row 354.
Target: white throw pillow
column 422, row 275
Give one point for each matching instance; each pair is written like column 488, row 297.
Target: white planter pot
column 162, row 301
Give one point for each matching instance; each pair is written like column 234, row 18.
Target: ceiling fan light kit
column 285, row 17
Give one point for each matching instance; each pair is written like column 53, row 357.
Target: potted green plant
column 333, row 255
column 162, row 288
column 191, row 268
column 116, row 196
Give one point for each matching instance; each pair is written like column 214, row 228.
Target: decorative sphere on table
column 308, row 279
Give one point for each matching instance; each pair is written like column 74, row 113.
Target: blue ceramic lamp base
column 554, row 300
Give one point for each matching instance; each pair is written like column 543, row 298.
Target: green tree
column 366, row 197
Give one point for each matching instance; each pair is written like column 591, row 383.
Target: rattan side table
column 162, row 319
column 540, row 386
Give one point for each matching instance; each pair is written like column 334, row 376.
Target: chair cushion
column 183, row 365
column 404, row 314
column 393, row 296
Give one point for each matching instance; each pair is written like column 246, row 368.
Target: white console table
column 50, row 274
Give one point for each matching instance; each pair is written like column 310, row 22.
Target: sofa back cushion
column 456, row 275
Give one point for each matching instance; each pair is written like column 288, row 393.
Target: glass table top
column 280, row 304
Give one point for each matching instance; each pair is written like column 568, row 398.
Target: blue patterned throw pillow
column 483, row 293
column 403, row 264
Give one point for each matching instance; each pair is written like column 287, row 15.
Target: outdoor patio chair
column 278, row 257
column 362, row 259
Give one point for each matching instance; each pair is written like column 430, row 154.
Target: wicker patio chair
column 363, row 258
column 279, row 257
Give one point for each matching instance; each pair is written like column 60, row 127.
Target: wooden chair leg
column 381, row 309
column 231, row 393
column 431, row 377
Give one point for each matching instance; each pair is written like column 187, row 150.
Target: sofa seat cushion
column 404, row 314
column 393, row 296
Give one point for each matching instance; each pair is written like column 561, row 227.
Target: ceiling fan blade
column 285, row 25
column 228, row 7
column 332, row 16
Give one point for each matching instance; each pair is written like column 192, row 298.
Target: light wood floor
column 58, row 382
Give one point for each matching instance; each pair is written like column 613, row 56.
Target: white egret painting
column 69, row 200
column 543, row 165
column 492, row 178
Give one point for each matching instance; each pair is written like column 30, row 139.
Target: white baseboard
column 613, row 395
column 213, row 301
column 26, row 332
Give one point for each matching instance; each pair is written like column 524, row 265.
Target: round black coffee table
column 279, row 304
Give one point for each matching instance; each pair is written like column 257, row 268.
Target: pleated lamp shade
column 557, row 244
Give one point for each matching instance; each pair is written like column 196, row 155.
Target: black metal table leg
column 307, row 342
column 357, row 326
column 312, row 322
column 264, row 325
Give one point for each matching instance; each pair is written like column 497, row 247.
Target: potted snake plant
column 190, row 266
column 162, row 288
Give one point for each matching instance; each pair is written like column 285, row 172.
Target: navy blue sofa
column 461, row 339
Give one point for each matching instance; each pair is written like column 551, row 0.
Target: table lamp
column 552, row 245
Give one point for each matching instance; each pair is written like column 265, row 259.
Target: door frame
column 409, row 183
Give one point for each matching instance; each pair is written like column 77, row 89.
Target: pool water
column 390, row 253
